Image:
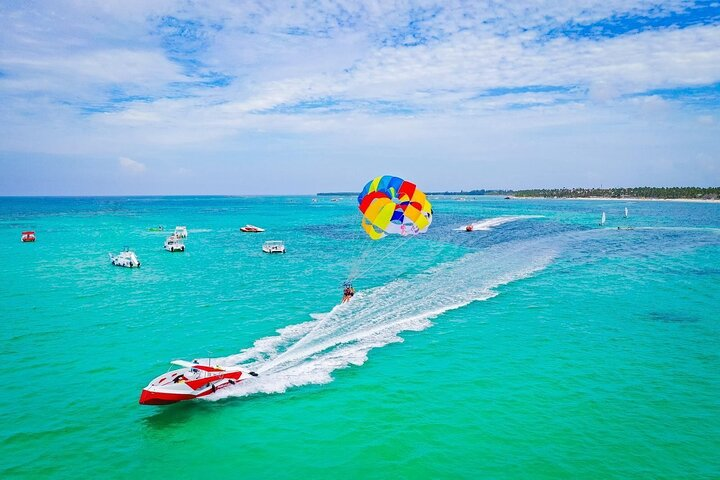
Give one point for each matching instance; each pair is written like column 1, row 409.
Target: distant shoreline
column 626, row 199
column 514, row 197
column 679, row 194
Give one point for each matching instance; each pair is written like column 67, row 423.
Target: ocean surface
column 541, row 345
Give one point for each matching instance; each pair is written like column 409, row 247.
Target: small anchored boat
column 174, row 244
column 273, row 246
column 126, row 258
column 28, row 236
column 251, row 229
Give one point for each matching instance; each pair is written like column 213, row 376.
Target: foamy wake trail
column 308, row 353
column 490, row 223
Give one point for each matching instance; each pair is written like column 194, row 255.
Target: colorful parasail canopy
column 391, row 205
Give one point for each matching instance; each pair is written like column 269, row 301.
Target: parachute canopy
column 391, row 205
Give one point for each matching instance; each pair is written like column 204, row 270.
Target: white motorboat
column 126, row 258
column 174, row 244
column 192, row 381
column 181, row 232
column 273, row 246
column 251, row 229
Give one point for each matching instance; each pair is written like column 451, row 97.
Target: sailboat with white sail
column 602, row 219
column 626, row 212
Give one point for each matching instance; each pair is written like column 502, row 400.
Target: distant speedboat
column 192, row 381
column 469, row 228
column 181, row 232
column 273, row 246
column 251, row 229
column 28, row 236
column 174, row 244
column 159, row 228
column 126, row 258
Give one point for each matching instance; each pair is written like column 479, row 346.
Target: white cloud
column 706, row 119
column 447, row 79
column 339, row 51
column 91, row 80
column 131, row 166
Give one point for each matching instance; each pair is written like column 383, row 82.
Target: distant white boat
column 252, row 229
column 181, row 232
column 126, row 258
column 602, row 219
column 626, row 212
column 273, row 246
column 174, row 244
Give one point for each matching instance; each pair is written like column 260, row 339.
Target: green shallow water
column 543, row 347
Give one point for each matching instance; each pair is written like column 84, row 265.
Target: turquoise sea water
column 540, row 346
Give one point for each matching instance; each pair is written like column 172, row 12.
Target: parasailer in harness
column 348, row 292
column 390, row 206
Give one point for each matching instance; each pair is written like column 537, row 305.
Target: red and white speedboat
column 28, row 237
column 251, row 229
column 192, row 381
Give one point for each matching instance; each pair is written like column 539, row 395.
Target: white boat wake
column 490, row 223
column 308, row 353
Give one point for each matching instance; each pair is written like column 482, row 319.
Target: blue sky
column 263, row 97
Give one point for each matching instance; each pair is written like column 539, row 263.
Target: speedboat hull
column 155, row 396
column 148, row 397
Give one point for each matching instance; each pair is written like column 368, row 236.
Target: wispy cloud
column 235, row 79
column 131, row 166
